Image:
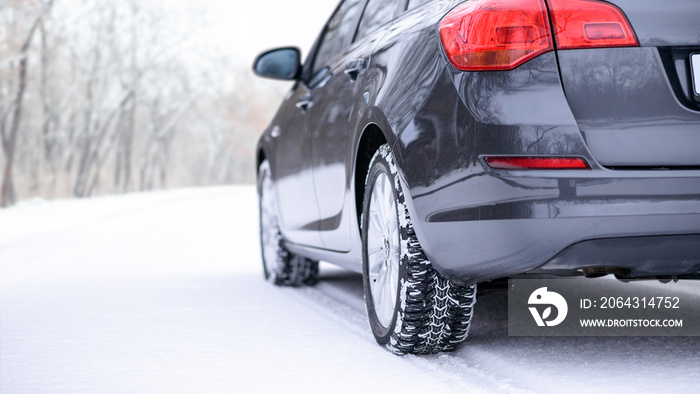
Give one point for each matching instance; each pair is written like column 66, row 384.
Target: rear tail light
column 495, row 34
column 536, row 163
column 590, row 24
column 482, row 35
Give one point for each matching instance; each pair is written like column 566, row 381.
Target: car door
column 339, row 69
column 292, row 170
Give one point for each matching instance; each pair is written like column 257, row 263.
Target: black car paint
column 476, row 223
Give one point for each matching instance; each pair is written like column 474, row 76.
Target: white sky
column 246, row 28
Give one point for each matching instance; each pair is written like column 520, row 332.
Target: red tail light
column 481, row 35
column 533, row 163
column 495, row 34
column 590, row 24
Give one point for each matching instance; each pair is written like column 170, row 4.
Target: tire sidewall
column 381, row 333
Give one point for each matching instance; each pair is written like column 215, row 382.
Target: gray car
column 440, row 145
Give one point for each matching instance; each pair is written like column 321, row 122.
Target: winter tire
column 280, row 266
column 411, row 307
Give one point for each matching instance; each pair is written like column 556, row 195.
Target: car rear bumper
column 562, row 223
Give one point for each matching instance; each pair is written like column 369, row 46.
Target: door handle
column 305, row 102
column 353, row 68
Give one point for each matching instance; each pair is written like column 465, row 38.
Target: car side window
column 416, row 3
column 378, row 13
column 339, row 33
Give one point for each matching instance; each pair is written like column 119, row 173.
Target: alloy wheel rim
column 383, row 249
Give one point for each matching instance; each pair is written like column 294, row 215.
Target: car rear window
column 417, row 3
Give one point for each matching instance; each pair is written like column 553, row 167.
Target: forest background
column 113, row 96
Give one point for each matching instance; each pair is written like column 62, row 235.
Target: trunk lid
column 636, row 107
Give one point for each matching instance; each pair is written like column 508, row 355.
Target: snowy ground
column 163, row 293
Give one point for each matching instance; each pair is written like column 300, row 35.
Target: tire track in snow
column 339, row 298
column 491, row 361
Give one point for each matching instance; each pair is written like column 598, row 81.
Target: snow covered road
column 163, row 293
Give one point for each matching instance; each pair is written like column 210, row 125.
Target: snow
column 163, row 293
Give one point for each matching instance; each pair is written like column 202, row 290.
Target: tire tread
column 434, row 314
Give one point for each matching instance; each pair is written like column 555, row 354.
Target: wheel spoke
column 388, row 199
column 374, row 220
column 380, row 197
column 376, row 254
column 376, row 263
column 384, row 307
column 389, row 205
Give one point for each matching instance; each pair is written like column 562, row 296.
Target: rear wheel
column 280, row 266
column 411, row 307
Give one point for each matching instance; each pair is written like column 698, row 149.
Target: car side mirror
column 280, row 63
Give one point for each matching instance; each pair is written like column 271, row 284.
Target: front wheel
column 411, row 307
column 280, row 266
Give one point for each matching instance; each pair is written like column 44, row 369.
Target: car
column 437, row 146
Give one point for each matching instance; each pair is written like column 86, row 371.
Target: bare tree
column 116, row 98
column 10, row 141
